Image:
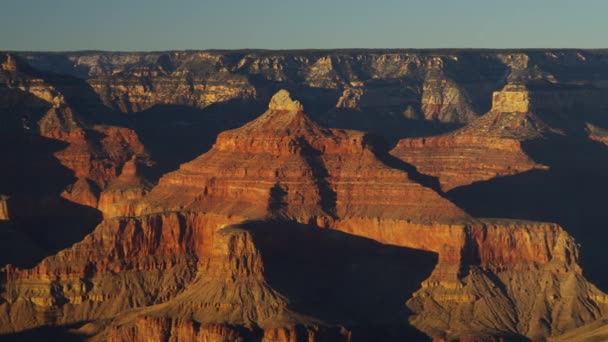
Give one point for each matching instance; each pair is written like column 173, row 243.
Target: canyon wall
column 268, row 232
column 381, row 91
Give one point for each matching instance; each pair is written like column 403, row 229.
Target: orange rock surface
column 164, row 264
column 490, row 146
column 94, row 154
column 119, row 197
column 286, row 165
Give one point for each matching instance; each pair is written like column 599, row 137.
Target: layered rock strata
column 286, row 165
column 166, row 255
column 281, row 165
column 229, row 299
column 92, row 153
column 491, row 146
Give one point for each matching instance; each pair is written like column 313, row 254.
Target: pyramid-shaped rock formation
column 490, row 146
column 284, row 164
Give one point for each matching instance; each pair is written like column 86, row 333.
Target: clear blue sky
column 286, row 24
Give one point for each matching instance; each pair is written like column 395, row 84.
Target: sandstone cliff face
column 124, row 263
column 229, row 299
column 383, row 84
column 497, row 290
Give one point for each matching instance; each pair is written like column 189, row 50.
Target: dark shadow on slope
column 178, row 134
column 84, row 101
column 276, row 202
column 384, row 120
column 47, row 333
column 389, row 124
column 33, row 180
column 320, row 174
column 572, row 193
column 343, row 279
column 381, row 151
column 16, row 247
column 316, row 101
column 478, row 76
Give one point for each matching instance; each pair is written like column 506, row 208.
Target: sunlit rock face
column 290, row 227
column 488, row 147
column 511, row 99
column 389, row 92
column 286, row 165
column 4, row 215
column 93, row 153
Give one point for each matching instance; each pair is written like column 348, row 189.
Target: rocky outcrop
column 184, row 330
column 444, row 85
column 229, row 298
column 121, row 194
column 442, row 99
column 513, row 98
column 491, row 146
column 124, row 263
column 519, row 278
column 4, row 215
column 93, row 153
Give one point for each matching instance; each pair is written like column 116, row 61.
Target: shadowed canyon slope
column 146, row 199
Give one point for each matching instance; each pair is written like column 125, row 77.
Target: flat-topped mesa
column 283, row 163
column 488, row 147
column 513, row 98
column 512, row 118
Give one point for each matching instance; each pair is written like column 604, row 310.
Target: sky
column 148, row 25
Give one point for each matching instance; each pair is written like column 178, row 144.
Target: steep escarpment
column 391, row 92
column 42, row 105
column 229, row 297
column 521, row 279
column 122, row 264
column 376, row 88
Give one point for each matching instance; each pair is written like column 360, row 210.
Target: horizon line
column 312, row 50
